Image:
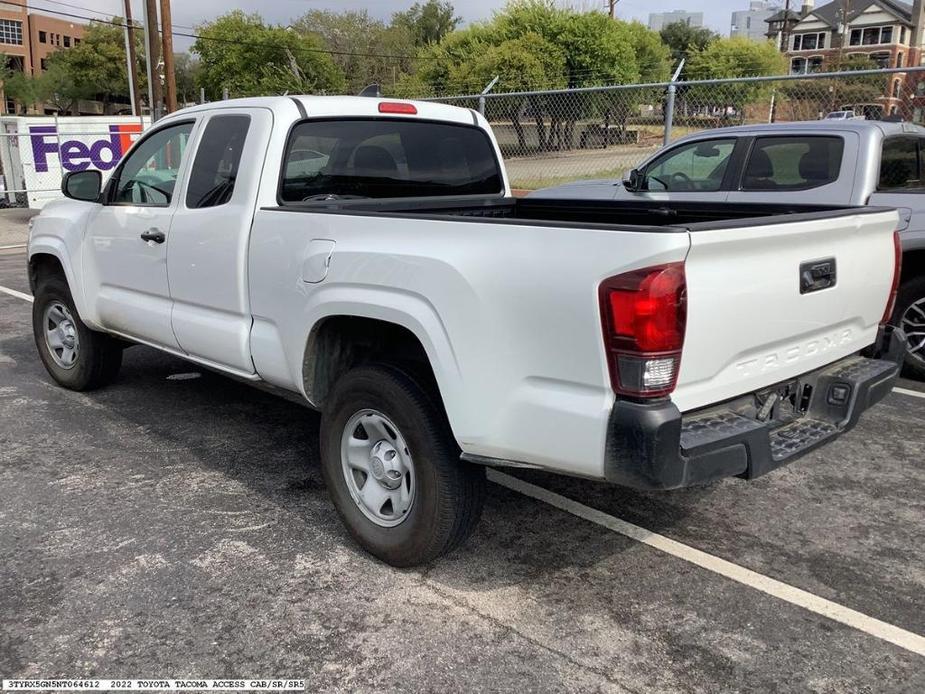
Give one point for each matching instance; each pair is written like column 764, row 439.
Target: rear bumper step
column 654, row 446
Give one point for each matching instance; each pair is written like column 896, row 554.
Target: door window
column 899, row 164
column 696, row 167
column 149, row 174
column 218, row 156
column 793, row 163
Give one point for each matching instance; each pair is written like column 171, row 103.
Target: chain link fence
column 553, row 137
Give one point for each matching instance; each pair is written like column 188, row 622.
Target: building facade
column 27, row 39
column 659, row 20
column 887, row 33
column 752, row 23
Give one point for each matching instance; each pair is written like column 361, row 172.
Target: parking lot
column 175, row 525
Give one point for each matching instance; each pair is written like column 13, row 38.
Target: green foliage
column 733, row 57
column 428, row 22
column 683, row 39
column 186, row 69
column 362, row 45
column 94, row 69
column 239, row 52
column 810, row 98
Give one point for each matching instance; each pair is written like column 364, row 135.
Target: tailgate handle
column 816, row 275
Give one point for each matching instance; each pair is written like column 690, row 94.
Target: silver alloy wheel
column 377, row 467
column 61, row 335
column 913, row 324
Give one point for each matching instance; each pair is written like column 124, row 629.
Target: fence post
column 488, row 88
column 202, row 95
column 224, row 93
column 669, row 102
column 669, row 113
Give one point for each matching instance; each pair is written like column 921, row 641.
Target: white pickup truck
column 367, row 255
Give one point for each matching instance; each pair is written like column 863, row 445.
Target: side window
column 793, row 163
column 149, row 174
column 697, row 167
column 218, row 156
column 899, row 164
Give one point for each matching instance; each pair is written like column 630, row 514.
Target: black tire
column 449, row 492
column 911, row 291
column 99, row 356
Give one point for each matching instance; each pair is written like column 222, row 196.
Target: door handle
column 153, row 234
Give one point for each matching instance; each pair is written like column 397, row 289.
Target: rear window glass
column 385, row 158
column 899, row 164
column 793, row 163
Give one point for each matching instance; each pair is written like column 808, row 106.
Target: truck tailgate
column 750, row 321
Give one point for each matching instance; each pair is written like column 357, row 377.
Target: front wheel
column 910, row 316
column 392, row 468
column 75, row 356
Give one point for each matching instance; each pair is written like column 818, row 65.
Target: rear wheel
column 392, row 468
column 910, row 316
column 76, row 357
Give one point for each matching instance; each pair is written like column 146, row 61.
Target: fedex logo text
column 77, row 155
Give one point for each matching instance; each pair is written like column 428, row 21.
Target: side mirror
column 633, row 180
column 82, row 185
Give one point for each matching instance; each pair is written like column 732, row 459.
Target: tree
column 683, row 39
column 186, row 68
column 733, row 57
column 361, row 45
column 239, row 52
column 428, row 22
column 93, row 69
column 810, row 98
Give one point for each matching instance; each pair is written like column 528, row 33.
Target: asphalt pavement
column 175, row 525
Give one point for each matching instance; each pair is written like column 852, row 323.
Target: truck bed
column 601, row 214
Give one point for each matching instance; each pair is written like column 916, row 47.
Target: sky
column 191, row 12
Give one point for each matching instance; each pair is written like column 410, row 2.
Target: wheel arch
column 48, row 254
column 339, row 341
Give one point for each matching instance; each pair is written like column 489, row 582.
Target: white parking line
column 906, row 391
column 15, row 245
column 18, row 295
column 796, row 596
column 770, row 586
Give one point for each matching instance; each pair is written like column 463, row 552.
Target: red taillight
column 397, row 107
column 644, row 314
column 897, row 270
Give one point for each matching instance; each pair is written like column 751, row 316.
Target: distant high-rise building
column 752, row 23
column 659, row 20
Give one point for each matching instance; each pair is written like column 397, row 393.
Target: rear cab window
column 387, row 158
column 900, row 164
column 798, row 162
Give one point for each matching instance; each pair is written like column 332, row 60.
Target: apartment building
column 27, row 39
column 659, row 20
column 887, row 32
column 752, row 23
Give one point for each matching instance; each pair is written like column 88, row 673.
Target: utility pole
column 170, row 77
column 154, row 82
column 131, row 58
column 785, row 31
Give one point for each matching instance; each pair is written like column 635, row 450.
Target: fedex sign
column 101, row 153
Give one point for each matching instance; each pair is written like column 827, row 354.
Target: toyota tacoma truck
column 367, row 255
